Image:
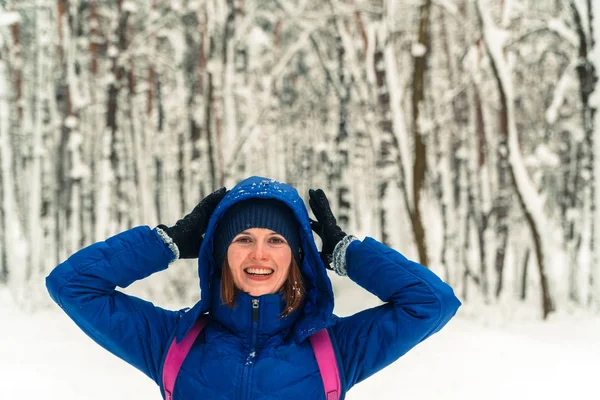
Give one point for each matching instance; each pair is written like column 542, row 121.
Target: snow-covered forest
column 463, row 133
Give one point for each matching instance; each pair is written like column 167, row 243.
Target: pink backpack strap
column 320, row 341
column 176, row 354
column 323, row 348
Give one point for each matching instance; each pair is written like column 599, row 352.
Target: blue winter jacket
column 236, row 357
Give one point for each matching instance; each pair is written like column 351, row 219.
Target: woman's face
column 259, row 260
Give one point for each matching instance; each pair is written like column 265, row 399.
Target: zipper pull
column 254, row 310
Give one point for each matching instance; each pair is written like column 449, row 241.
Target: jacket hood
column 317, row 311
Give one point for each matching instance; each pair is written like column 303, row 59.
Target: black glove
column 188, row 232
column 325, row 226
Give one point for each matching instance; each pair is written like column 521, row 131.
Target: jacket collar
column 240, row 318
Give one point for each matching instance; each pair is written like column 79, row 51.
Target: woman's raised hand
column 326, row 225
column 188, row 232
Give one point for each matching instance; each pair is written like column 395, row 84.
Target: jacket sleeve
column 84, row 287
column 417, row 304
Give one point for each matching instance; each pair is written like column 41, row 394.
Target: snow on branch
column 561, row 29
column 449, row 6
column 9, row 18
column 553, row 26
column 559, row 93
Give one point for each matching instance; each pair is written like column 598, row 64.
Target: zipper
column 245, row 386
column 254, row 310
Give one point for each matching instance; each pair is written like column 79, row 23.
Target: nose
column 259, row 252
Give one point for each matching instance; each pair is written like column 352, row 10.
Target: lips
column 259, row 274
column 255, row 271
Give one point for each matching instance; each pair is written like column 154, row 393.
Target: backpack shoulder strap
column 320, row 341
column 323, row 348
column 176, row 354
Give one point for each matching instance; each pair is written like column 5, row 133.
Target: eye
column 277, row 240
column 243, row 239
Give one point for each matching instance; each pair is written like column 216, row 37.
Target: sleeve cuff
column 339, row 255
column 169, row 242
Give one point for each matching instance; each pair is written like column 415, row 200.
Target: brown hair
column 293, row 288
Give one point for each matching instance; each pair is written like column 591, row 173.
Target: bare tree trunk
column 34, row 229
column 452, row 171
column 590, row 127
column 530, row 206
column 501, row 208
column 476, row 192
column 418, row 97
column 135, row 160
column 17, row 69
column 91, row 193
column 226, row 115
column 340, row 171
column 11, row 70
column 594, row 278
column 8, row 221
column 211, row 115
column 65, row 105
column 524, row 274
column 588, row 78
column 15, row 249
column 195, row 70
column 3, row 239
column 389, row 160
column 569, row 203
column 117, row 156
column 387, row 143
column 476, row 166
column 502, row 201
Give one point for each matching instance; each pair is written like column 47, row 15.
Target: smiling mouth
column 259, row 271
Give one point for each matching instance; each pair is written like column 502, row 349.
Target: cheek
column 234, row 259
column 284, row 261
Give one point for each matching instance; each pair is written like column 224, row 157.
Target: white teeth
column 259, row 271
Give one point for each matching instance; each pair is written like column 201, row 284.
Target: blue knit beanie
column 256, row 213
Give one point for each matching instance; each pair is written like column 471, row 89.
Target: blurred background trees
column 462, row 133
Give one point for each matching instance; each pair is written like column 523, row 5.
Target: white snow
column 507, row 12
column 129, row 6
column 565, row 83
column 449, row 6
column 9, row 18
column 258, row 40
column 418, row 50
column 176, row 5
column 45, row 356
column 71, row 122
column 546, row 157
column 113, row 51
column 558, row 26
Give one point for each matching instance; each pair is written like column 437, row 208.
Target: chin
column 257, row 293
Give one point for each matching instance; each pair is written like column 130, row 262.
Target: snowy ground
column 47, row 357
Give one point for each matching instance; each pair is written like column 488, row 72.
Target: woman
column 264, row 291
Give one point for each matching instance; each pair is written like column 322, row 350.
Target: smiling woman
column 264, row 326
